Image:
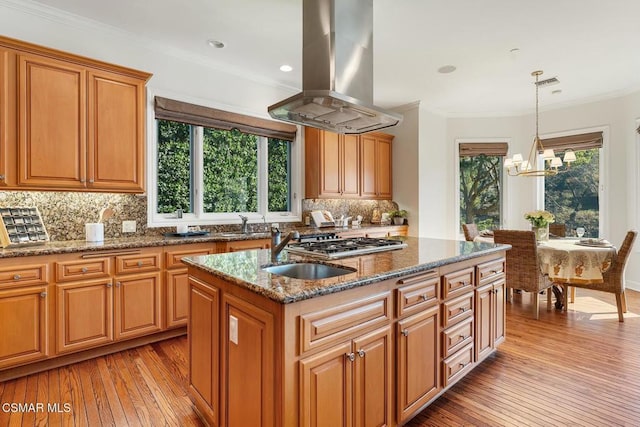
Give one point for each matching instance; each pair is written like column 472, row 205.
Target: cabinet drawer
column 173, row 259
column 457, row 365
column 490, row 271
column 320, row 327
column 137, row 263
column 456, row 337
column 417, row 292
column 78, row 270
column 455, row 310
column 457, row 283
column 23, row 275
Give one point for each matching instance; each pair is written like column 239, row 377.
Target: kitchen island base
column 370, row 355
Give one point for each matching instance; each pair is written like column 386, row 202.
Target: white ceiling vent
column 548, row 82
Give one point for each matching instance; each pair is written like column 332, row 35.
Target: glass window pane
column 480, row 191
column 279, row 169
column 174, row 167
column 230, row 171
column 572, row 196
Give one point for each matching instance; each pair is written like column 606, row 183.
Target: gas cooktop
column 341, row 248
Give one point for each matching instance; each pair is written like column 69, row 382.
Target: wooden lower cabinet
column 177, row 295
column 368, row 356
column 348, row 384
column 418, row 361
column 137, row 305
column 204, row 349
column 84, row 314
column 24, row 320
column 244, row 245
column 247, row 364
column 490, row 318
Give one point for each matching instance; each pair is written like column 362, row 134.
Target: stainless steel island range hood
column 337, row 70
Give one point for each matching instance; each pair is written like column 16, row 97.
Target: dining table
column 571, row 260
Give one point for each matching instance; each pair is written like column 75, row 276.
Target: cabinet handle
column 91, row 181
column 139, row 263
column 43, row 294
column 109, row 285
column 118, row 284
column 361, row 353
column 424, row 297
column 16, row 277
column 405, row 332
column 463, row 309
column 2, row 177
column 351, row 356
column 463, row 337
column 82, row 180
column 462, row 365
column 84, row 269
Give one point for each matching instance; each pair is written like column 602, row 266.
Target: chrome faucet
column 277, row 245
column 245, row 227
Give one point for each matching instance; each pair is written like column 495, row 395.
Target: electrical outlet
column 129, row 226
column 233, row 329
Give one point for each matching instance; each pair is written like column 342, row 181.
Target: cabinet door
column 6, row 111
column 330, row 168
column 372, row 379
column 484, row 327
column 23, row 314
column 248, row 364
column 84, row 313
column 116, row 132
column 177, row 289
column 375, row 177
column 383, row 168
column 245, row 245
column 368, row 189
column 499, row 313
column 326, row 388
column 418, row 361
column 137, row 305
column 52, row 123
column 204, row 327
column 350, row 166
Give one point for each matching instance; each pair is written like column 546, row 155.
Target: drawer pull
column 16, row 277
column 405, row 332
column 118, row 284
column 84, row 269
column 361, row 353
column 43, row 294
column 464, row 337
column 462, row 365
column 463, row 309
column 139, row 263
column 109, row 285
column 424, row 297
column 351, row 356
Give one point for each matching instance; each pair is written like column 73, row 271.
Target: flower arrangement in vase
column 540, row 221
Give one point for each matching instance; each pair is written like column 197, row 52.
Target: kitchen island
column 371, row 347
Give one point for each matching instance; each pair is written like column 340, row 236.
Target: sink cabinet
column 372, row 355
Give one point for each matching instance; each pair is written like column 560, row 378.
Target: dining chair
column 558, row 230
column 613, row 278
column 470, row 231
column 523, row 265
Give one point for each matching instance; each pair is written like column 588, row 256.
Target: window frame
column 603, row 208
column 505, row 182
column 198, row 217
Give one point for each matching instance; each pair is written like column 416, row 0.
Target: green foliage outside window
column 572, row 195
column 174, row 167
column 480, row 188
column 230, row 170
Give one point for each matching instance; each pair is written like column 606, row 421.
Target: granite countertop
column 70, row 246
column 245, row 268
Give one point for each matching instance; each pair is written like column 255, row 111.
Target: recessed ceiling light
column 215, row 43
column 446, row 69
column 286, row 68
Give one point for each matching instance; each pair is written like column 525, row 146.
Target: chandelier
column 518, row 166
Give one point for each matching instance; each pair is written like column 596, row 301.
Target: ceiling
column 591, row 46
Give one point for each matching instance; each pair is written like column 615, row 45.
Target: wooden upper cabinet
column 375, row 175
column 347, row 166
column 116, row 132
column 52, row 123
column 68, row 122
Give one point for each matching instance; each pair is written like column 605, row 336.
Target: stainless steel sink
column 308, row 270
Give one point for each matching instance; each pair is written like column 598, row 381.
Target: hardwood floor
column 580, row 368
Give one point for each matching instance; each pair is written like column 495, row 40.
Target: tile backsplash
column 65, row 213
